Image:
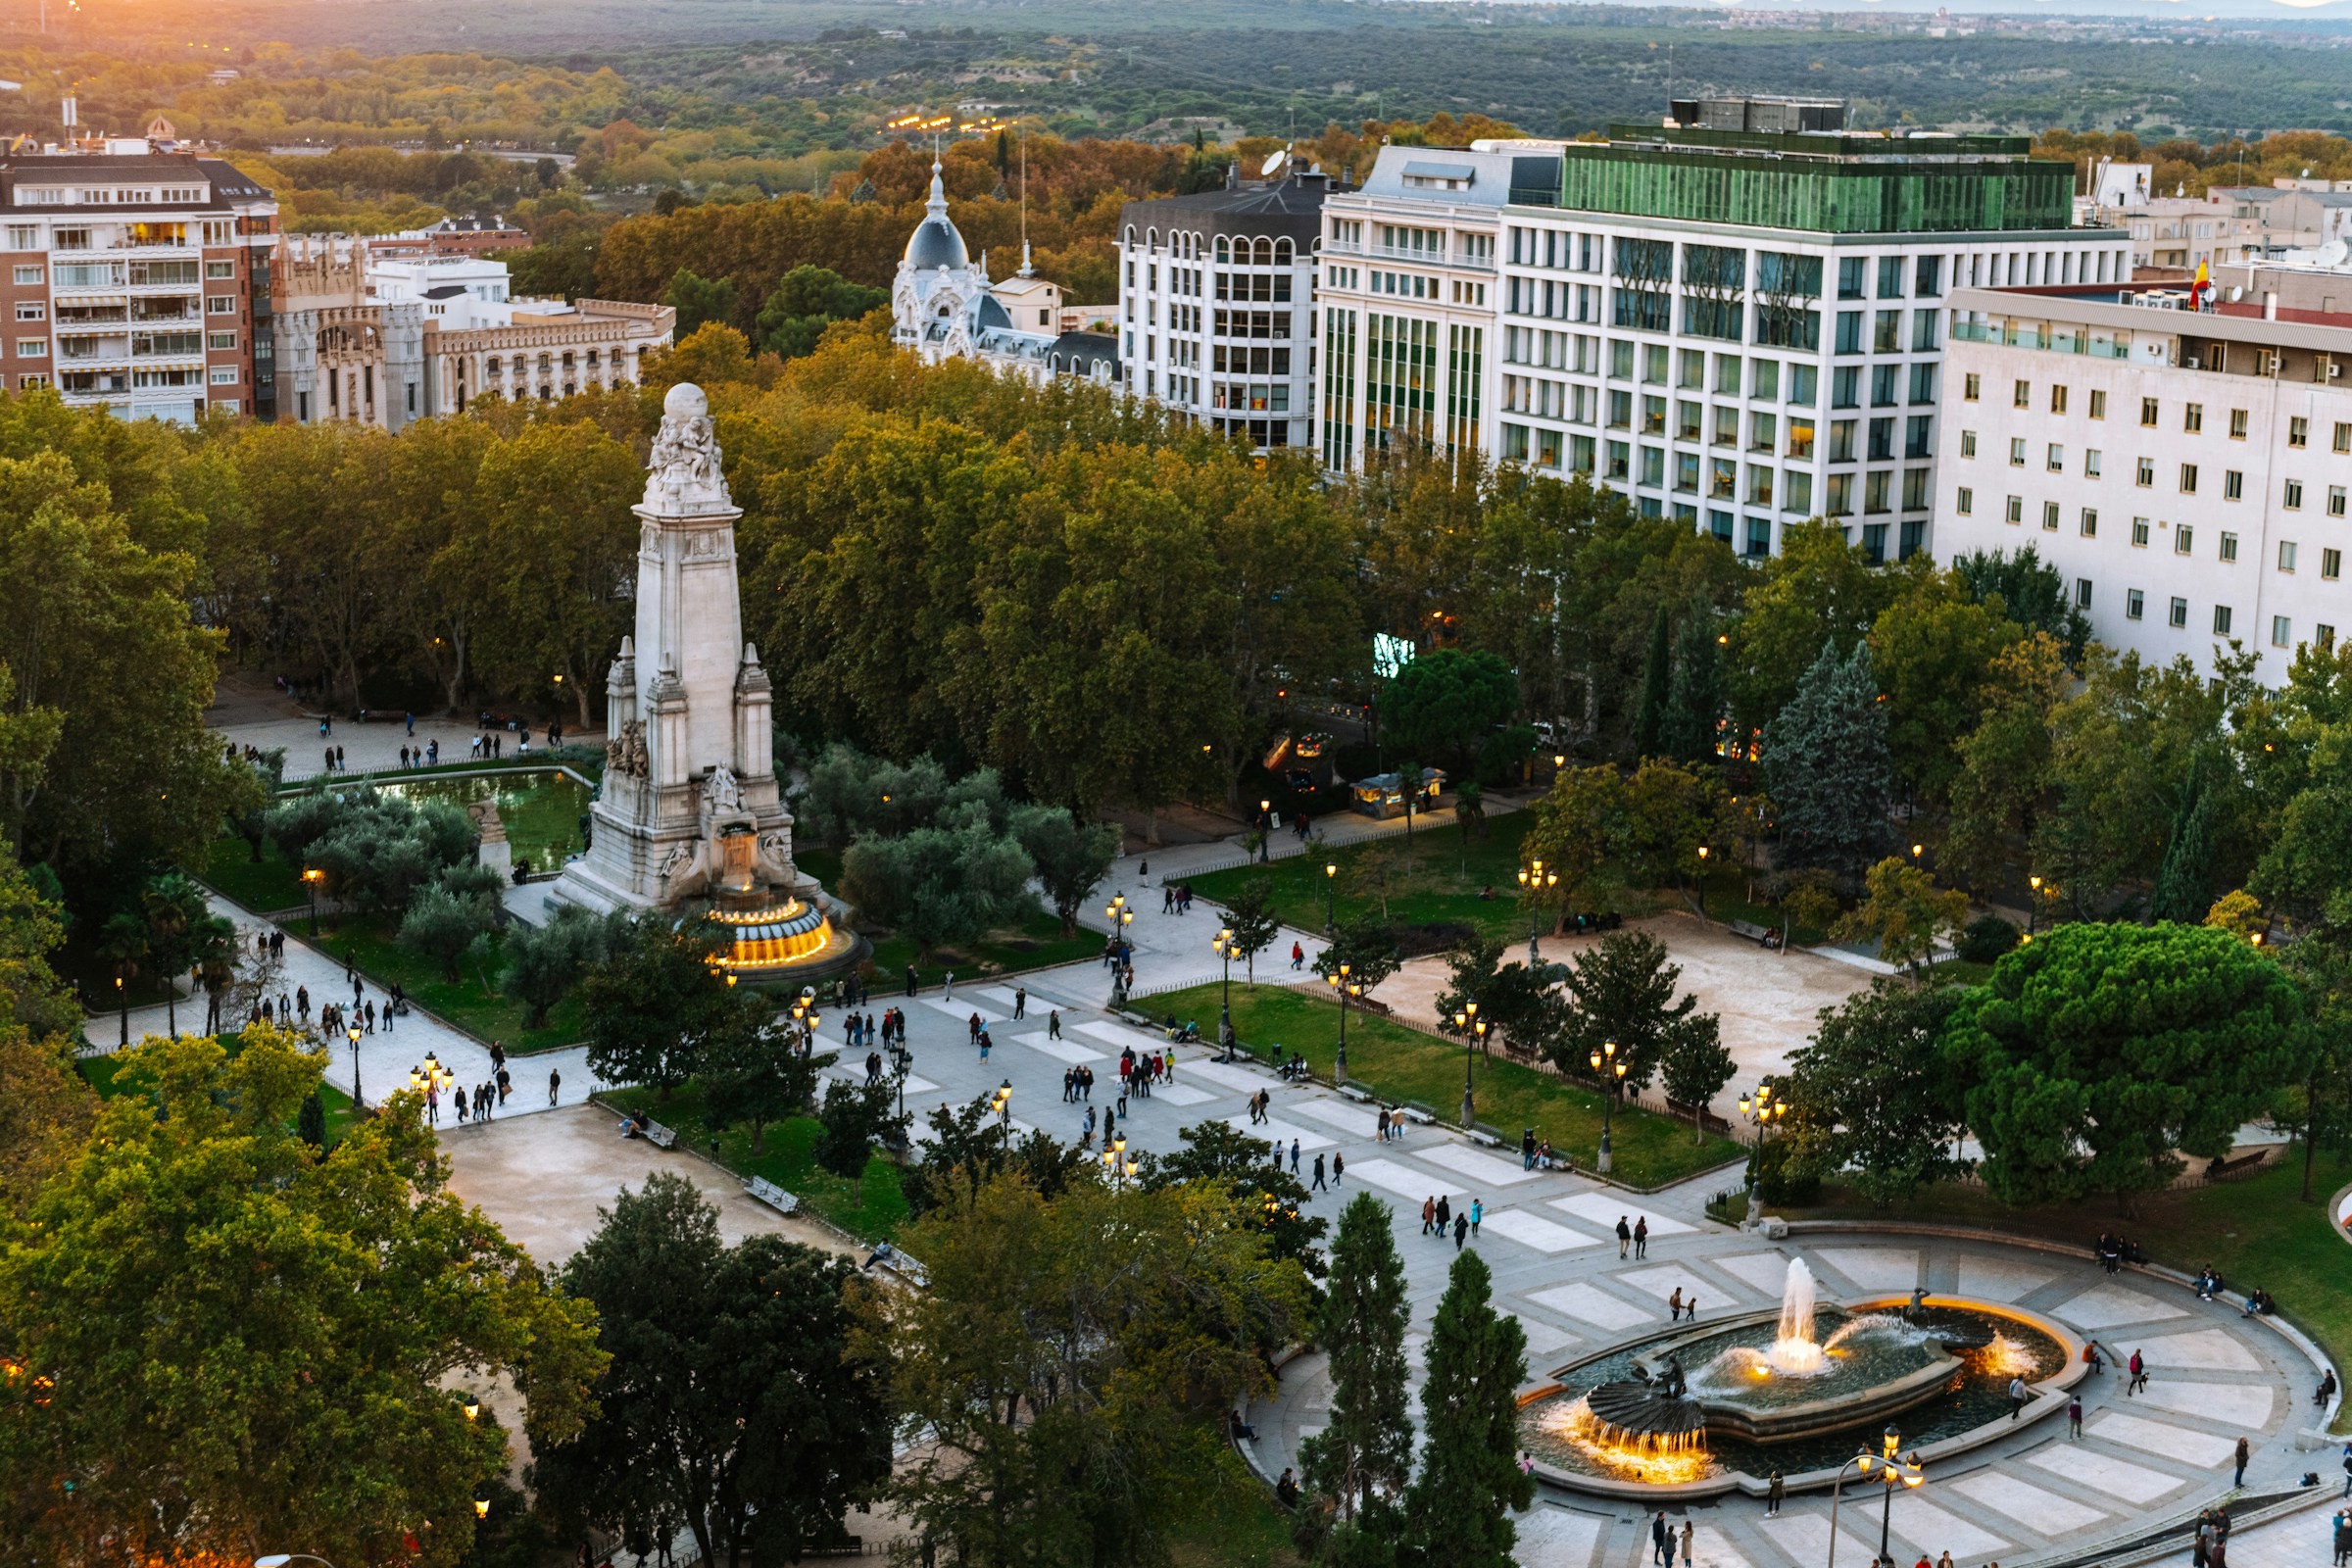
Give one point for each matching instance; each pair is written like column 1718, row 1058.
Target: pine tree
column 2184, row 878
column 1657, row 679
column 1696, row 700
column 1365, row 1451
column 1827, row 761
column 1458, row 1509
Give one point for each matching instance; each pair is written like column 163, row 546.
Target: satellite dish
column 2235, row 293
column 2335, row 252
column 1281, row 156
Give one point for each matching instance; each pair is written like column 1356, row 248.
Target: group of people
column 1138, row 1073
column 1440, row 1218
column 2114, row 1251
column 862, row 1030
column 2211, row 1548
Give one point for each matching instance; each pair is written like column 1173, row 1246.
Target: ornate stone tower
column 691, row 810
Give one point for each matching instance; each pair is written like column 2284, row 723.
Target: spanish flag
column 2197, row 290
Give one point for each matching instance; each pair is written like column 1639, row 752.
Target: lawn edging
column 2310, row 1438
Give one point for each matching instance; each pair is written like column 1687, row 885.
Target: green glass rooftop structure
column 1826, row 182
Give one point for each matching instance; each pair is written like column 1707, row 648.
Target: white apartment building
column 1216, row 305
column 2185, row 471
column 1407, row 298
column 1741, row 325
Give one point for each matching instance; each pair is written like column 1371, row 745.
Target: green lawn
column 103, row 1073
column 1239, row 1526
column 1441, row 884
column 2257, row 1232
column 1036, row 944
column 263, row 886
column 1400, row 1063
column 873, row 1209
column 368, row 940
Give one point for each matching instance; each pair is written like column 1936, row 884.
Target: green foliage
column 1903, row 913
column 971, row 1145
column 2185, row 880
column 653, row 999
column 378, row 850
column 2027, row 590
column 1069, row 857
column 309, row 1124
column 1818, row 595
column 444, row 924
column 1442, row 704
column 1365, row 946
column 1696, row 699
column 1236, row 1160
column 1459, row 1508
column 943, row 887
column 1984, row 939
column 545, row 962
column 1872, row 1095
column 1520, row 1007
column 803, row 303
column 852, row 1119
column 220, row 1300
column 2099, row 1055
column 700, row 300
column 1932, row 652
column 1824, row 757
column 1657, row 677
column 1621, row 992
column 1694, row 1066
column 1364, row 1451
column 1249, row 917
column 2308, row 868
column 736, row 1401
column 751, row 1074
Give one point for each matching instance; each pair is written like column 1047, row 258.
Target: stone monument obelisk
column 690, row 807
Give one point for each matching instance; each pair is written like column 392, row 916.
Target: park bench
column 904, row 1267
column 2236, row 1166
column 774, row 1197
column 660, row 1137
column 1762, row 935
column 1415, row 1114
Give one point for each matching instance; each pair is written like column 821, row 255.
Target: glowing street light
column 1611, row 1073
column 354, row 1032
column 1331, row 874
column 1345, row 988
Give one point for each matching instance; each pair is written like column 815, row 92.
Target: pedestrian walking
column 1380, row 1125
column 2343, row 1538
column 1293, row 1156
column 1641, row 1237
column 1429, row 1219
column 1774, row 1491
column 1445, row 1215
column 1461, row 1229
column 2245, row 1452
column 1338, row 1168
column 1020, row 1002
column 2074, row 1418
column 1625, row 1241
column 1478, row 1212
column 555, row 1084
column 1298, row 955
column 1053, row 1024
column 1661, row 1541
column 1318, row 1182
column 1674, row 1305
column 2017, row 1396
column 2140, row 1374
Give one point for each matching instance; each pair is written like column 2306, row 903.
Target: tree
column 218, row 1301
column 1621, row 991
column 178, row 924
column 2185, row 880
column 1657, row 678
column 443, row 925
column 1363, row 1456
column 699, row 300
column 2307, row 869
column 1932, row 651
column 2099, row 1055
column 654, row 998
column 852, row 1120
column 1824, row 757
column 1459, row 1508
column 1873, row 1096
column 1998, row 795
column 1442, row 704
column 2028, row 591
column 1236, row 1160
column 1073, row 1363
column 309, row 1124
column 1249, row 917
column 1380, row 872
column 1069, row 857
column 942, row 887
column 1696, row 699
column 1694, row 1066
column 1904, row 912
column 803, row 303
column 1520, row 1007
column 1365, row 946
column 971, row 1145
column 735, row 1401
column 545, row 962
column 750, row 1074
column 1819, row 593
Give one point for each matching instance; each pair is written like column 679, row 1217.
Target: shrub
column 1984, row 939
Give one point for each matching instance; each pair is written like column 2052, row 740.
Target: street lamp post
column 1222, row 943
column 1003, row 1105
column 1265, row 832
column 1331, row 872
column 1345, row 988
column 1702, row 881
column 356, row 1102
column 311, row 878
column 1759, row 1110
column 1466, row 1022
column 122, row 1006
column 1538, row 881
column 1893, row 1472
column 2033, row 903
column 1611, row 1073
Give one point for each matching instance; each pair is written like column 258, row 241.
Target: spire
column 1027, row 270
column 938, row 204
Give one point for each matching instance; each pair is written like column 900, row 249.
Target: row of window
column 2135, row 608
column 2151, row 413
column 2143, row 477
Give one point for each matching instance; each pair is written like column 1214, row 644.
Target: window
column 2090, row 523
column 2229, row 546
column 1927, row 276
column 2237, row 424
column 2295, row 495
column 33, row 348
column 31, row 310
column 2054, row 459
column 1882, row 440
column 221, row 305
column 1850, row 332
column 2298, row 431
column 2283, row 631
column 2057, row 400
column 2147, row 474
column 228, row 340
column 1965, row 502
column 2016, row 451
column 2182, row 537
column 2331, row 564
column 2325, row 635
column 2179, row 612
column 1968, row 443
column 1917, row 431
column 1850, row 278
column 2016, row 510
column 2090, row 462
column 2021, row 394
column 23, row 236
column 2343, row 436
column 2083, row 592
column 2098, row 403
column 2286, row 554
column 1890, row 278
column 2192, row 419
column 2335, row 501
column 27, row 276
column 2147, row 412
column 2233, row 484
column 2135, row 603
column 1922, row 383
column 2049, row 516
column 224, row 376
column 2140, row 532
column 1971, row 387
column 2188, row 478
column 2221, row 620
column 219, row 270
column 1846, row 387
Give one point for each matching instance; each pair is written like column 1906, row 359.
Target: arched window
column 1283, row 252
column 1151, row 239
column 1223, row 253
column 1131, row 236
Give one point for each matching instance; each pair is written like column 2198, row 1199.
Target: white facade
column 1739, row 379
column 2186, row 473
column 1407, row 302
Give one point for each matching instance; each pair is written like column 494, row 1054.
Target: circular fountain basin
column 1603, row 1427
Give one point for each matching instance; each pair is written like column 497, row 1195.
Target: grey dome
column 993, row 314
column 936, row 243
